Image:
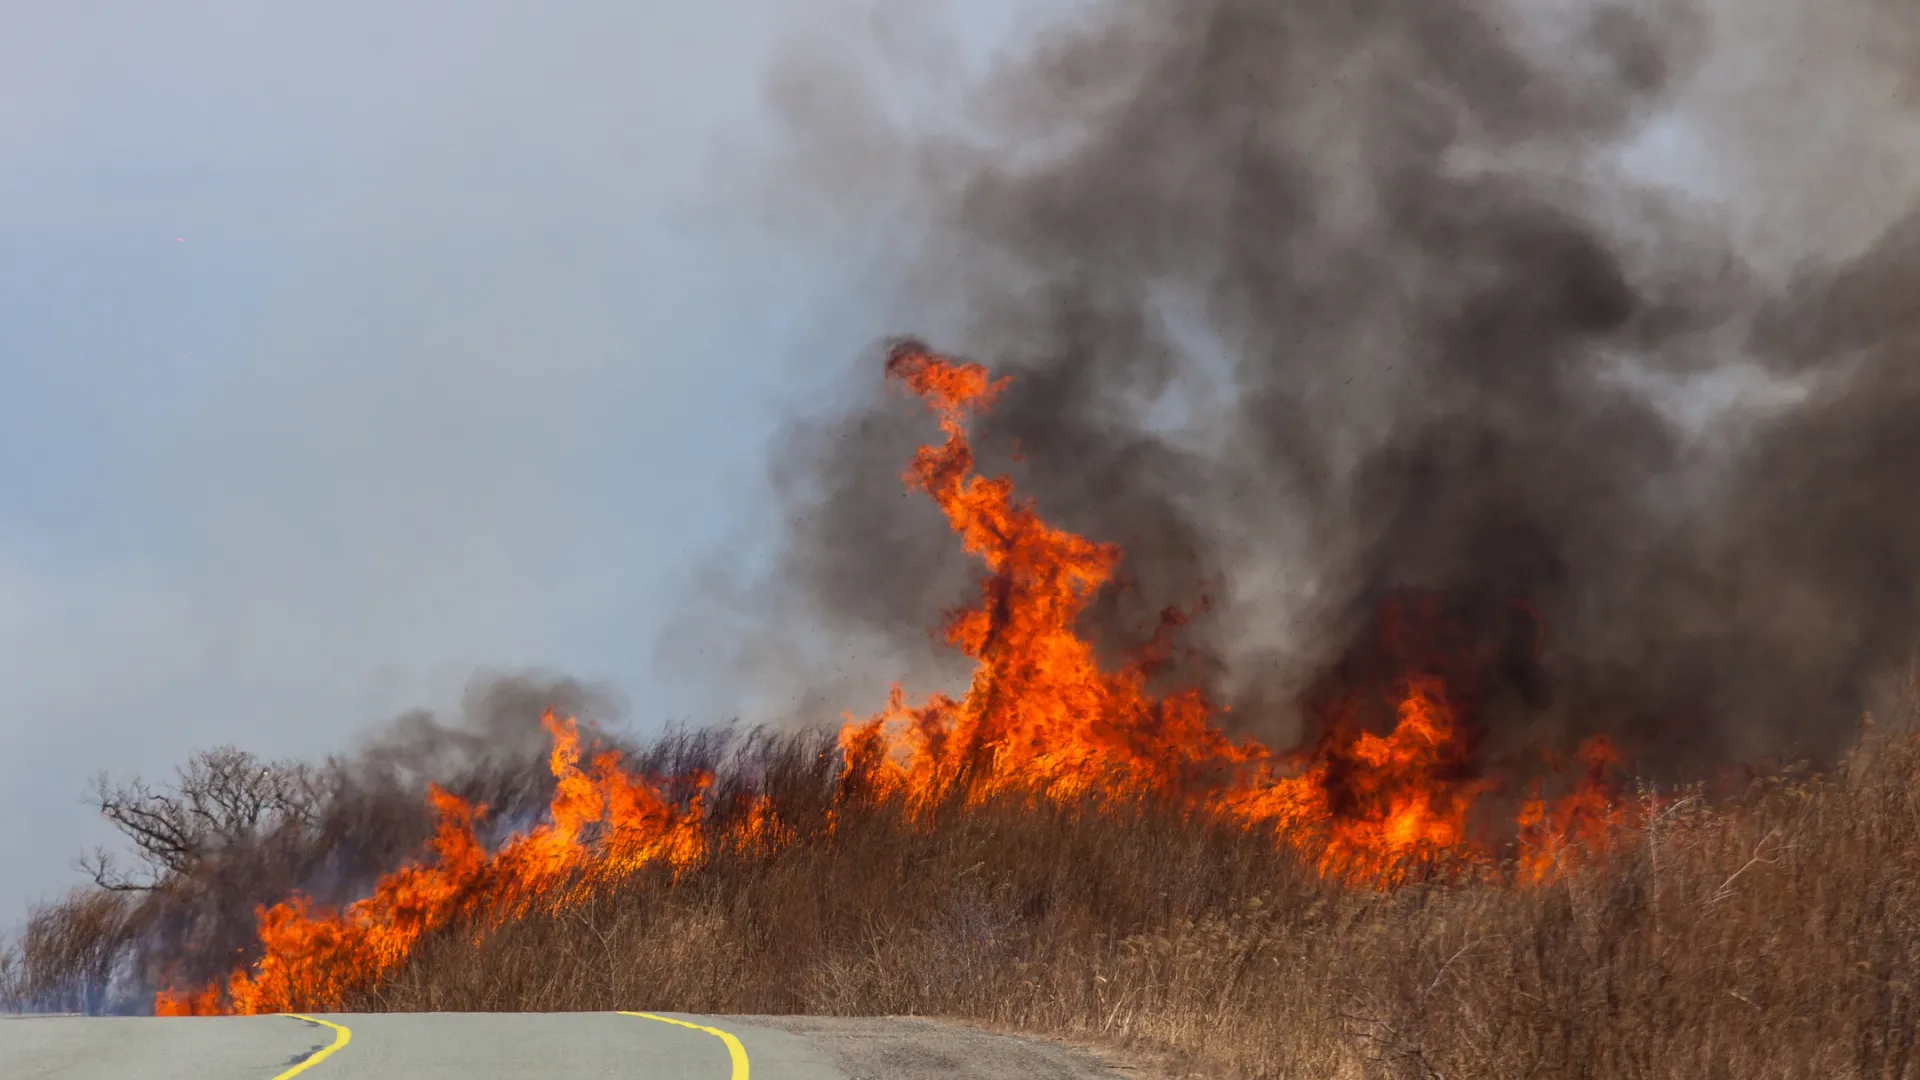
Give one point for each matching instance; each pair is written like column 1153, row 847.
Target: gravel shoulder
column 912, row 1048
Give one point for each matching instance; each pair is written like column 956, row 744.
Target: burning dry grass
column 1778, row 936
column 1063, row 850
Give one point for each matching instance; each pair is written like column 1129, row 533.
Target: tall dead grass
column 65, row 959
column 1773, row 935
column 1777, row 936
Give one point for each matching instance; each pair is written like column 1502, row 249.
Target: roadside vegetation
column 1774, row 933
column 1060, row 851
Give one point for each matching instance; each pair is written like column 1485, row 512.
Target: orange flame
column 1040, row 714
column 1579, row 825
column 1367, row 806
column 602, row 823
column 1039, row 719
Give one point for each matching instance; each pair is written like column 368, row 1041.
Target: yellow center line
column 341, row 1037
column 735, row 1051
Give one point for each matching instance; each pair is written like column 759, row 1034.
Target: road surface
column 522, row 1046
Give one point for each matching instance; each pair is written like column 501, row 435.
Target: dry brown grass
column 68, row 953
column 1775, row 937
column 230, row 831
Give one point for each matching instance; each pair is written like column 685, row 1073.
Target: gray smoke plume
column 1309, row 301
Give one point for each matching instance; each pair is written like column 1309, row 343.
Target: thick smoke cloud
column 1310, row 300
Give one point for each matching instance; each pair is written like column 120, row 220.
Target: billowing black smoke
column 1311, row 301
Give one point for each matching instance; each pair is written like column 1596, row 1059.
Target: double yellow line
column 342, row 1035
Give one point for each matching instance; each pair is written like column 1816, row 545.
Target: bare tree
column 13, row 996
column 229, row 831
column 222, row 800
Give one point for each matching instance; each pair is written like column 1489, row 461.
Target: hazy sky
column 347, row 347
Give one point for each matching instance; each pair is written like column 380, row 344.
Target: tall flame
column 1040, row 719
column 1039, row 714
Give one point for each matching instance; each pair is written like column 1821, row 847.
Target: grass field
column 1776, row 934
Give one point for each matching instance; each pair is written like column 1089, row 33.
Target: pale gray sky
column 348, row 347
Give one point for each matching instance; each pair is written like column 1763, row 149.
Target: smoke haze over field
column 348, row 348
column 349, row 351
column 1603, row 306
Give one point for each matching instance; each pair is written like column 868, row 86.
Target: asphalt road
column 520, row 1046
